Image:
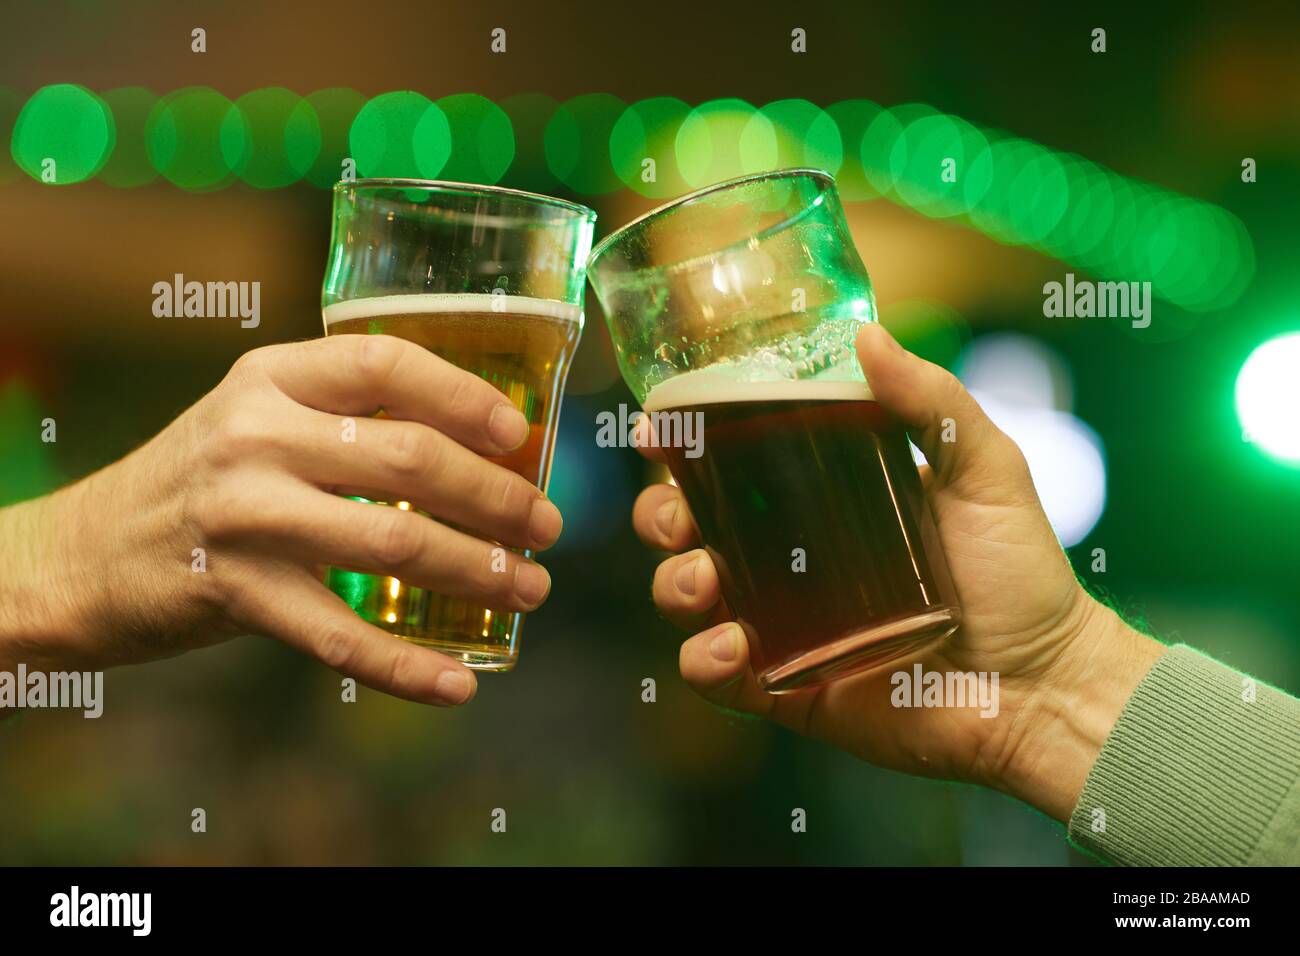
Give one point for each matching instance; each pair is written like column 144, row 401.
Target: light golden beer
column 524, row 347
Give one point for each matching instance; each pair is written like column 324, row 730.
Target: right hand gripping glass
column 739, row 305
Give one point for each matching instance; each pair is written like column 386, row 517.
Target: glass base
column 477, row 657
column 862, row 651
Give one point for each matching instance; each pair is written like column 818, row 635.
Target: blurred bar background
column 1119, row 165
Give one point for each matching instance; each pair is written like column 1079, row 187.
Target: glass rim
column 810, row 172
column 467, row 189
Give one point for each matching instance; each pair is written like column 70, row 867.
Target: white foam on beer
column 426, row 302
column 723, row 383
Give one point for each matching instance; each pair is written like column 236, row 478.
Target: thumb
column 960, row 442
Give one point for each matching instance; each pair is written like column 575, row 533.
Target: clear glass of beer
column 491, row 280
column 738, row 306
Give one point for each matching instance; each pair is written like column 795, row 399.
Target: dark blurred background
column 1201, row 529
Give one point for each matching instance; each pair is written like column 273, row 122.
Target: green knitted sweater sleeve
column 1201, row 769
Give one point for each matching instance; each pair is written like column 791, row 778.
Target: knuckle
column 375, row 357
column 337, row 648
column 409, row 453
column 227, row 510
column 950, row 387
column 402, row 668
column 223, row 588
column 497, row 578
column 397, row 540
column 238, row 435
column 514, row 497
column 254, row 360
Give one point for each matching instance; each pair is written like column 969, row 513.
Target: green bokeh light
column 1180, row 246
column 1113, row 247
column 1196, row 255
column 876, row 151
column 723, row 139
column 183, row 137
column 805, row 135
column 1091, row 211
column 1130, row 254
column 1040, row 194
column 129, row 165
column 577, row 143
column 530, row 114
column 269, row 139
column 482, row 139
column 400, row 135
column 991, row 214
column 935, row 165
column 63, row 134
column 643, row 147
column 852, row 118
column 335, row 109
column 1236, row 266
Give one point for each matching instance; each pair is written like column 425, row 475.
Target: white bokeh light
column 1268, row 397
column 1026, row 390
column 1017, row 371
column 1065, row 459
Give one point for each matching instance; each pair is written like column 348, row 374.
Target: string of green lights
column 1195, row 254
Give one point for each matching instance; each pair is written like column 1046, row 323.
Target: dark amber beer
column 811, row 507
column 738, row 306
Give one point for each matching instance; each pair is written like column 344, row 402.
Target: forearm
column 41, row 614
column 73, row 570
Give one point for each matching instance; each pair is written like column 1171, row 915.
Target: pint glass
column 492, row 281
column 737, row 307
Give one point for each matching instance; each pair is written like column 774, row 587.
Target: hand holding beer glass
column 491, row 280
column 740, row 304
column 1067, row 663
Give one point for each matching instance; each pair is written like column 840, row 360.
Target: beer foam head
column 450, row 302
column 727, row 383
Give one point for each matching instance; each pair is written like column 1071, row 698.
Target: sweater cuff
column 1199, row 770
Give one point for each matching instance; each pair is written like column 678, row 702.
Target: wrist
column 1071, row 708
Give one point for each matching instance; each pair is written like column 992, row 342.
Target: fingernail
column 544, row 523
column 508, row 427
column 453, row 687
column 532, row 583
column 665, row 516
column 685, row 577
column 724, row 647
